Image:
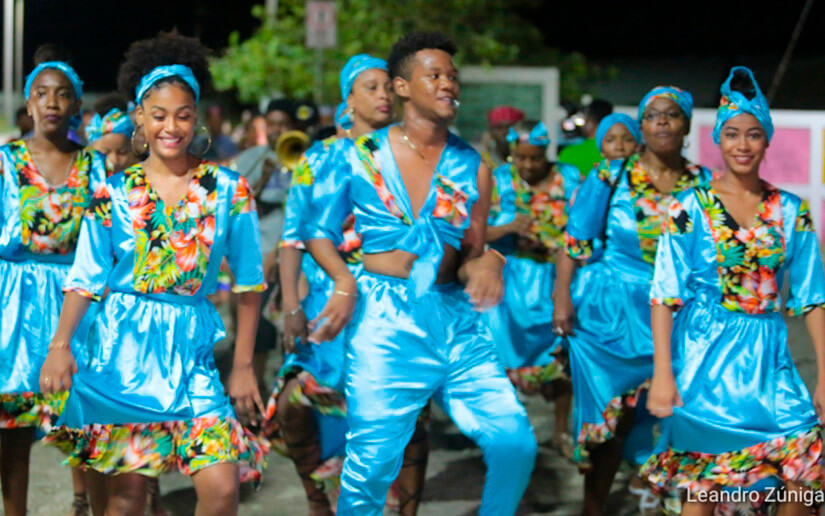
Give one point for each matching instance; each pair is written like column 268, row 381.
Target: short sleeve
column 330, row 204
column 805, row 273
column 672, row 266
column 94, row 255
column 503, row 200
column 244, row 241
column 297, row 203
column 588, row 214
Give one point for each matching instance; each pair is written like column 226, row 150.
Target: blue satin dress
column 522, row 324
column 319, row 369
column 39, row 227
column 150, row 399
column 611, row 352
column 413, row 340
column 747, row 415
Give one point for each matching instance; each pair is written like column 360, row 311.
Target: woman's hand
column 663, row 396
column 58, row 369
column 521, row 224
column 337, row 313
column 485, row 285
column 295, row 327
column 242, row 387
column 564, row 313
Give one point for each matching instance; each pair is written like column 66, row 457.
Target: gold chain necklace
column 414, row 148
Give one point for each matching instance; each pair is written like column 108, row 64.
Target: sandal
column 648, row 502
column 80, row 505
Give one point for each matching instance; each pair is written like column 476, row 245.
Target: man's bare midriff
column 399, row 263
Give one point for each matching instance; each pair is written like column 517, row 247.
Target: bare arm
column 481, row 271
column 243, row 386
column 59, row 367
column 564, row 314
column 295, row 321
column 341, row 304
column 663, row 395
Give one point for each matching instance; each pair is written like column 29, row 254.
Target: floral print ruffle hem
column 155, row 448
column 530, row 380
column 593, row 434
column 30, row 409
column 796, row 458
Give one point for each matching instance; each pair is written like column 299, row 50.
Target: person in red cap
column 496, row 150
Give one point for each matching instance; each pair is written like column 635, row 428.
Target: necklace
column 414, row 148
column 65, row 174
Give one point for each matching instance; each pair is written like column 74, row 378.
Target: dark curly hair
column 167, row 48
column 109, row 102
column 404, row 50
column 51, row 52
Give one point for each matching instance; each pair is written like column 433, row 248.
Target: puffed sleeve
column 244, row 241
column 588, row 214
column 297, row 203
column 503, row 201
column 331, row 204
column 805, row 273
column 94, row 255
column 672, row 267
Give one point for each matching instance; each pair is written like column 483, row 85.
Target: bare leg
column 605, row 459
column 96, row 487
column 15, row 450
column 794, row 506
column 300, row 432
column 80, row 505
column 155, row 503
column 218, row 488
column 413, row 471
column 126, row 495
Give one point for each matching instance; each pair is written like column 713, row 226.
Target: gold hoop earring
column 139, row 152
column 208, row 142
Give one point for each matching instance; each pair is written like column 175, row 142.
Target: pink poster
column 787, row 160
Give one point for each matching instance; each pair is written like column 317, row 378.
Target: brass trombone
column 289, row 148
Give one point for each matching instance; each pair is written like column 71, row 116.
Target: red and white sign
column 321, row 24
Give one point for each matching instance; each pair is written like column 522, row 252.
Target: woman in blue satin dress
column 307, row 410
column 150, row 399
column 45, row 186
column 736, row 411
column 110, row 132
column 528, row 215
column 605, row 312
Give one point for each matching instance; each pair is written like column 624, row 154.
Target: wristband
column 503, row 259
column 343, row 293
column 58, row 344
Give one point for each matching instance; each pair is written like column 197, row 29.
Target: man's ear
column 401, row 87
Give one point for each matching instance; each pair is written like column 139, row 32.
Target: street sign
column 321, row 24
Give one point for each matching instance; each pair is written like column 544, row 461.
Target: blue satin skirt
column 522, row 324
column 31, row 296
column 737, row 379
column 403, row 352
column 151, row 361
column 611, row 358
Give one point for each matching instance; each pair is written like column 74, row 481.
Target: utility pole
column 8, row 61
column 18, row 46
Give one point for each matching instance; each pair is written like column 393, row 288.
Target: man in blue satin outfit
column 421, row 198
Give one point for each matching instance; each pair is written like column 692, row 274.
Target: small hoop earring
column 209, row 140
column 139, row 152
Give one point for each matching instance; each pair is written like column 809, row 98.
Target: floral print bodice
column 50, row 216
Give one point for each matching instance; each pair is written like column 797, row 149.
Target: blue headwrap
column 354, row 67
column 538, row 136
column 182, row 72
column 734, row 103
column 115, row 121
column 617, row 118
column 681, row 97
column 67, row 70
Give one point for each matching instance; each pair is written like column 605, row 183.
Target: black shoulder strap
column 613, row 186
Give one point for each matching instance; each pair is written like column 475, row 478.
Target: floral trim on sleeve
column 294, row 244
column 802, row 310
column 242, row 200
column 672, row 302
column 50, row 216
column 578, row 249
column 83, row 292
column 239, row 289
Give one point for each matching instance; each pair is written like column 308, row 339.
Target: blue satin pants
column 404, row 352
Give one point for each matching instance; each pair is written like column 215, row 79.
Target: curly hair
column 109, row 102
column 404, row 50
column 51, row 52
column 167, row 48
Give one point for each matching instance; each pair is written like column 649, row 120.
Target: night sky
column 98, row 32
